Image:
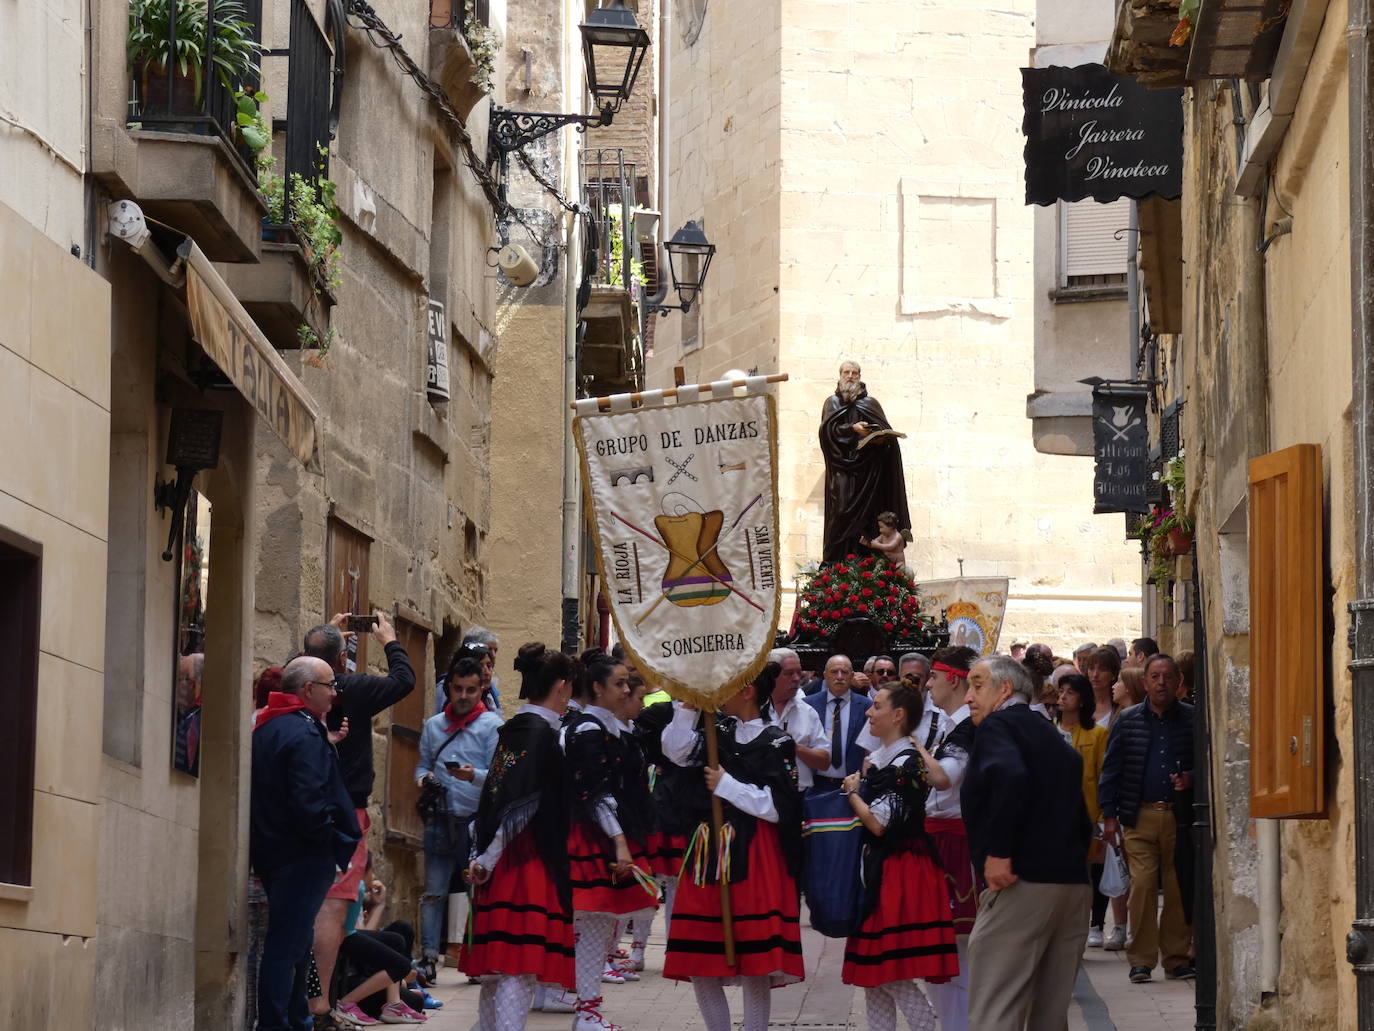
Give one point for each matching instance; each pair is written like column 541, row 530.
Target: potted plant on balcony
column 168, row 43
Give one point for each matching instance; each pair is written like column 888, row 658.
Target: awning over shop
column 232, row 339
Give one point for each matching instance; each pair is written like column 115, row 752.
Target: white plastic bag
column 1116, row 875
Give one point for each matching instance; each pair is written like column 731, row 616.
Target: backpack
column 832, row 838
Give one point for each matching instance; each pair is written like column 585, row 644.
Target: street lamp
column 613, row 48
column 689, row 258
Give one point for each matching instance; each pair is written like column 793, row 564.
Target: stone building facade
column 1261, row 364
column 157, row 318
column 850, row 162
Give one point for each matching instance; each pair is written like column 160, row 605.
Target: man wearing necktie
column 843, row 713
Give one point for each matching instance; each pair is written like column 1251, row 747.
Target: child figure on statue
column 889, row 542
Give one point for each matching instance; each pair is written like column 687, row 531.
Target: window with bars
column 21, row 578
column 310, row 97
column 1092, row 243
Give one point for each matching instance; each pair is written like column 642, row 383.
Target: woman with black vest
column 908, row 929
column 522, row 918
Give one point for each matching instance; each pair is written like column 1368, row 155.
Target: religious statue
column 863, row 468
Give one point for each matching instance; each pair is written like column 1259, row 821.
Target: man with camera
column 456, row 747
column 360, row 697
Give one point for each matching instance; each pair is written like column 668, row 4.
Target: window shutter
column 1287, row 636
column 1093, row 240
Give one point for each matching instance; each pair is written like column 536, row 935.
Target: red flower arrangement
column 869, row 587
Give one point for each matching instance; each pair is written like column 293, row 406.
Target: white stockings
column 593, row 934
column 884, row 1001
column 715, row 1011
column 504, row 1002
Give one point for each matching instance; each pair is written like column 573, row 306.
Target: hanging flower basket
column 1180, row 541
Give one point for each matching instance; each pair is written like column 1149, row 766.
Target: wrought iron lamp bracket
column 664, row 309
column 508, row 131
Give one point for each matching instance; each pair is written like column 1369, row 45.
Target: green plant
column 483, row 43
column 233, row 52
column 311, row 212
column 617, row 242
column 252, row 126
column 310, row 338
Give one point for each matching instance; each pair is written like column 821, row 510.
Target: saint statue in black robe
column 860, row 482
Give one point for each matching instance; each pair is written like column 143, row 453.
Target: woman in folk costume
column 522, row 918
column 759, row 857
column 610, row 820
column 908, row 931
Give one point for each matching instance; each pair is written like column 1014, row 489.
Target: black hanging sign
column 1090, row 133
column 1121, row 448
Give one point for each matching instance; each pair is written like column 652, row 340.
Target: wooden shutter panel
column 1093, row 241
column 1287, row 637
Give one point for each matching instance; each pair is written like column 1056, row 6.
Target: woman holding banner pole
column 757, row 861
column 608, row 816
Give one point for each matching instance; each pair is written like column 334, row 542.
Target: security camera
column 518, row 266
column 127, row 223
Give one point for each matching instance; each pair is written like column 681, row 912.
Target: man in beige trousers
column 1028, row 831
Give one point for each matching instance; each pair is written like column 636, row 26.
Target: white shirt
column 881, row 808
column 679, row 741
column 869, row 742
column 945, row 804
column 488, row 859
column 803, row 725
column 848, row 713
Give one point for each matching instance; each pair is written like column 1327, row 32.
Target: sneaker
column 1140, row 975
column 431, row 1003
column 426, row 968
column 348, row 1014
column 1095, row 938
column 625, row 968
column 589, row 1017
column 612, row 975
column 1117, row 941
column 1182, row 972
column 556, row 1001
column 400, row 1013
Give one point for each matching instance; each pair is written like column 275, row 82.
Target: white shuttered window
column 1092, row 242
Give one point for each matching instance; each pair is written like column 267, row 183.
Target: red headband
column 960, row 673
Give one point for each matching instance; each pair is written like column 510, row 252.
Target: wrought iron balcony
column 612, row 288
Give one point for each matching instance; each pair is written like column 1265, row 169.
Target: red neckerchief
column 462, row 722
column 279, row 703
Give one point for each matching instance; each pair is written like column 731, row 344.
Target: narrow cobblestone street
column 1103, row 999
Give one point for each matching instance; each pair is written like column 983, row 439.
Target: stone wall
column 859, row 172
column 55, row 420
column 1269, row 367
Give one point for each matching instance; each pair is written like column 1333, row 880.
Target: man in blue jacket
column 843, row 714
column 1028, row 833
column 1149, row 764
column 302, row 832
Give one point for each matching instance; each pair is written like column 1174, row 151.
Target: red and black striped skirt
column 665, row 853
column 766, row 916
column 593, row 888
column 518, row 925
column 951, row 842
column 909, row 934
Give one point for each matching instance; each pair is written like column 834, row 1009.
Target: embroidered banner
column 973, row 606
column 683, row 506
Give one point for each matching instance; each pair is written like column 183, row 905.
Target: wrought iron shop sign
column 1121, row 449
column 436, row 378
column 1092, row 134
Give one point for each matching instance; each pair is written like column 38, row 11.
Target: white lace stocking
column 913, row 1004
column 715, row 1011
column 513, row 995
column 757, row 1004
column 593, row 935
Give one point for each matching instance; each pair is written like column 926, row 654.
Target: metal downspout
column 1203, row 837
column 1360, row 942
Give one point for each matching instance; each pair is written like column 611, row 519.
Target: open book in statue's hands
column 873, row 435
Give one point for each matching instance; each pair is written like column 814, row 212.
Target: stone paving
column 1103, row 1001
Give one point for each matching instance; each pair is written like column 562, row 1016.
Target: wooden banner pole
column 717, row 827
column 604, row 403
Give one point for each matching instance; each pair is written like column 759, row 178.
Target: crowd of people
column 990, row 792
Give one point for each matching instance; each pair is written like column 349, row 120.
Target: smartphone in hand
column 360, row 624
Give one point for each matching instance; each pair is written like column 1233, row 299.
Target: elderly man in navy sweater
column 1028, row 832
column 302, row 831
